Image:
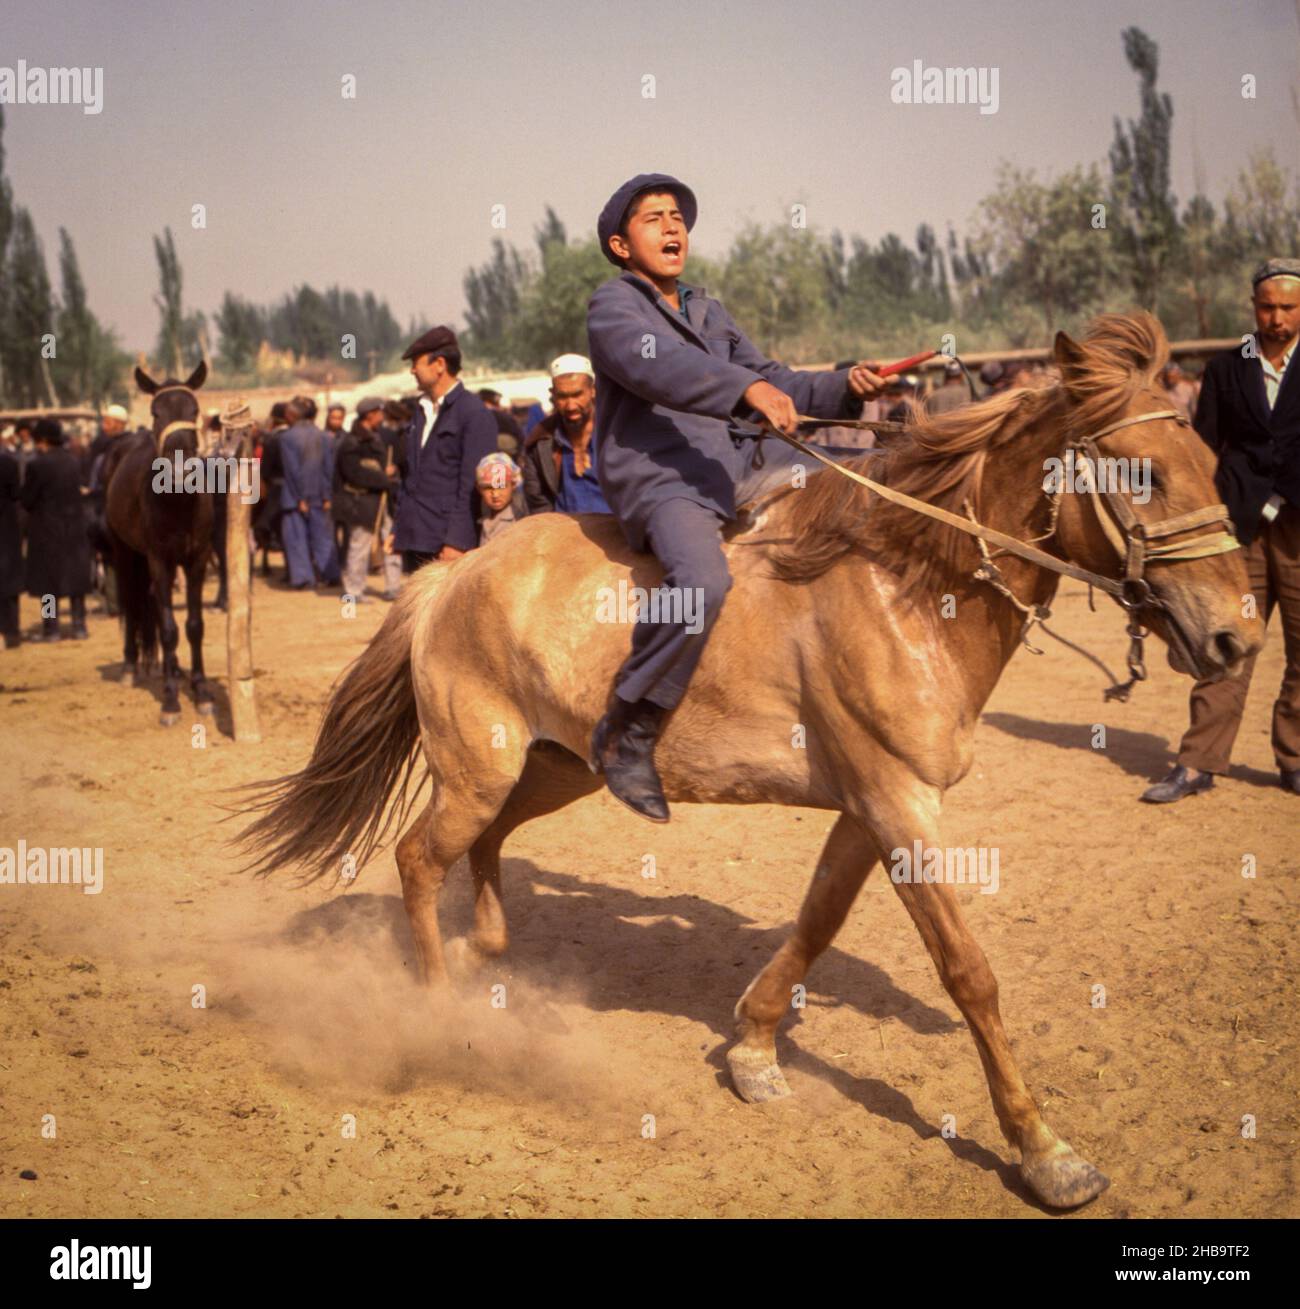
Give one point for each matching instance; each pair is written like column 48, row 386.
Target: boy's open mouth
column 672, row 249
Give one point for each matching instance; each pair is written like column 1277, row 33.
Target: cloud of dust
column 329, row 996
column 335, row 1001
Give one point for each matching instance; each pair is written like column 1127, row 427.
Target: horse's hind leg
column 461, row 810
column 552, row 778
column 845, row 861
column 1049, row 1167
column 422, row 878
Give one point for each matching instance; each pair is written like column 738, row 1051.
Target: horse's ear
column 145, row 382
column 1069, row 356
column 198, row 376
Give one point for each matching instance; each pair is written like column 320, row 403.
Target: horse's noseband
column 181, row 425
column 1132, row 538
column 1136, row 543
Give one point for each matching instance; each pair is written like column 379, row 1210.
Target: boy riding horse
column 674, row 377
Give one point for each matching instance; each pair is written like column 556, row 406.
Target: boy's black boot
column 623, row 748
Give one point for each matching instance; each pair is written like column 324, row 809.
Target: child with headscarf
column 500, row 490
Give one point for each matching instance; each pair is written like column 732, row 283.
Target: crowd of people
column 330, row 496
column 438, row 475
column 338, row 501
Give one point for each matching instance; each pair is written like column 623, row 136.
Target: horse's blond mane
column 942, row 459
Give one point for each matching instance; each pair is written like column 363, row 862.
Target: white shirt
column 431, row 410
column 1273, row 376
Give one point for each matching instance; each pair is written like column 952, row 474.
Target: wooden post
column 239, row 610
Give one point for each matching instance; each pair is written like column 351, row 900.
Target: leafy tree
column 76, row 323
column 180, row 335
column 1146, row 225
column 774, row 285
column 493, row 294
column 29, row 310
column 242, row 327
column 1041, row 246
column 168, row 300
column 1262, row 210
column 552, row 317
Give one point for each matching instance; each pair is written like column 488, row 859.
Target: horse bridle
column 1135, row 542
column 181, row 425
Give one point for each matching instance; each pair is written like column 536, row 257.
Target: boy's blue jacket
column 668, row 396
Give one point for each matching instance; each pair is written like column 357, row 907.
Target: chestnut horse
column 857, row 620
column 155, row 531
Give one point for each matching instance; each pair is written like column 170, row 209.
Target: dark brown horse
column 847, row 672
column 157, row 526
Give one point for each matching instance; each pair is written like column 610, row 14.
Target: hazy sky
column 461, row 107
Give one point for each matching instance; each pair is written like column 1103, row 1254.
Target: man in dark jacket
column 58, row 548
column 510, row 435
column 1249, row 415
column 361, row 480
column 451, row 430
column 112, row 428
column 11, row 550
column 307, row 456
column 113, row 424
column 335, row 417
column 674, row 376
column 268, row 513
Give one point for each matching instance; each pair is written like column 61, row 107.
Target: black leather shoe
column 1179, row 783
column 623, row 748
column 1290, row 779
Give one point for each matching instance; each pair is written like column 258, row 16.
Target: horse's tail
column 135, row 599
column 337, row 806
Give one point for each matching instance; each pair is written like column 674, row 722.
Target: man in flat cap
column 674, row 376
column 1249, row 415
column 450, row 431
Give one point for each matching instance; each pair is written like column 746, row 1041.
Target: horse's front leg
column 1050, row 1168
column 194, row 575
column 161, row 579
column 846, row 859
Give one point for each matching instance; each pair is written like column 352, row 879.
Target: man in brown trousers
column 1249, row 414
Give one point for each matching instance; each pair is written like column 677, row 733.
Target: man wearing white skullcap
column 569, row 365
column 560, row 461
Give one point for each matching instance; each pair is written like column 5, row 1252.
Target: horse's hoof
column 206, row 707
column 1062, row 1179
column 169, row 717
column 756, row 1077
column 462, row 957
column 136, row 678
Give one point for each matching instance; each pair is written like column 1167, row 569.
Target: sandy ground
column 315, row 1081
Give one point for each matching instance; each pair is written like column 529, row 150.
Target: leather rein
column 1136, row 543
